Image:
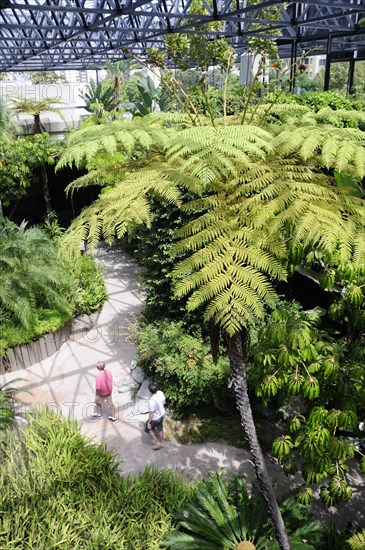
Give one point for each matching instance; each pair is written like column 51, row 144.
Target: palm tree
column 119, row 73
column 35, row 107
column 258, row 191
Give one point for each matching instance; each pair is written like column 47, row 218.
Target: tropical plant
column 98, row 98
column 291, row 358
column 32, row 276
column 87, row 292
column 47, row 77
column 35, row 107
column 224, row 514
column 7, row 403
column 216, row 519
column 73, row 495
column 18, row 160
column 181, row 363
column 149, row 95
column 357, row 541
column 119, row 72
column 253, row 191
column 8, row 125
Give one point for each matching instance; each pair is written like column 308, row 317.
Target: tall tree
column 119, row 73
column 257, row 190
column 8, row 124
column 35, row 107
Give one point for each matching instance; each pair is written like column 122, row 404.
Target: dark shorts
column 155, row 425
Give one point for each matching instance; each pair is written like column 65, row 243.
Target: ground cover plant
column 60, row 490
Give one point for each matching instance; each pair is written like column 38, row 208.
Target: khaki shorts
column 100, row 398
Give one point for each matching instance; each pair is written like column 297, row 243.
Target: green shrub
column 182, row 366
column 59, row 490
column 317, row 100
column 88, row 291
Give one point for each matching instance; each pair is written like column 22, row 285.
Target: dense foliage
column 40, row 291
column 182, row 365
column 255, row 192
column 294, row 357
column 87, row 291
column 59, row 489
column 19, row 158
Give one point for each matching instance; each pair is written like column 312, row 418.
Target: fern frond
column 101, row 176
column 120, row 208
column 122, row 135
column 216, row 153
column 309, row 143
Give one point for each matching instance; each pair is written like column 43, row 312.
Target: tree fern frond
column 99, row 176
column 329, row 152
column 359, row 162
column 123, row 135
column 120, row 208
column 177, row 119
column 359, row 247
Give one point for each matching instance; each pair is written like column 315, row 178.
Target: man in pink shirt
column 104, row 387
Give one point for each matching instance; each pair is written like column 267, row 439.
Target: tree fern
column 120, row 209
column 254, row 192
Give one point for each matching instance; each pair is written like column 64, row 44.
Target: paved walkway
column 66, row 381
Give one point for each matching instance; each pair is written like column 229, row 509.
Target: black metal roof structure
column 77, row 34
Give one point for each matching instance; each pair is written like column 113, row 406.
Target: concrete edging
column 22, row 357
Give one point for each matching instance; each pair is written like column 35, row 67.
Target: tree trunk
column 38, row 129
column 38, row 124
column 46, row 194
column 237, row 351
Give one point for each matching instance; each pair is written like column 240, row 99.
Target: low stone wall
column 26, row 355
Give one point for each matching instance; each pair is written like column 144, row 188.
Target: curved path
column 66, row 381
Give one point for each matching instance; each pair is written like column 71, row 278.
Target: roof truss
column 76, row 34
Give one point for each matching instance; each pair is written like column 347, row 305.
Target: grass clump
column 60, row 490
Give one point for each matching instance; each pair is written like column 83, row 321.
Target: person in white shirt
column 154, row 426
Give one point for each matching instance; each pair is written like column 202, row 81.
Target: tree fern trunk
column 45, row 188
column 237, row 350
column 38, row 124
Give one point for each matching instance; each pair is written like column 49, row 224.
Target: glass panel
column 359, row 78
column 339, row 76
